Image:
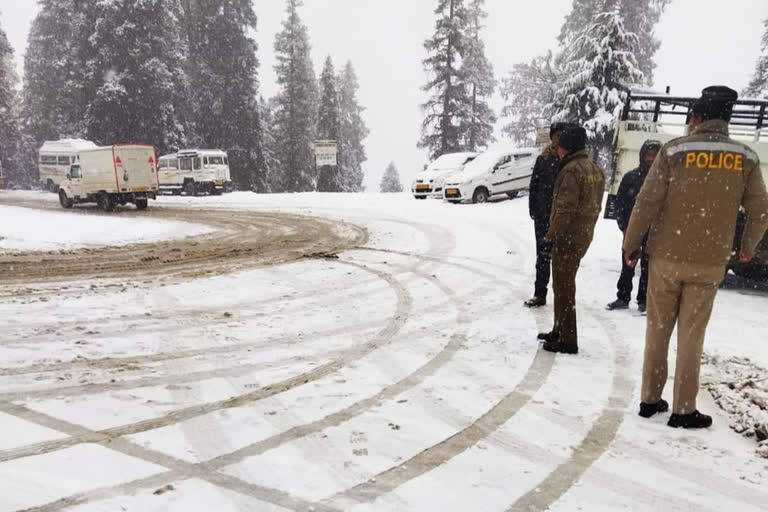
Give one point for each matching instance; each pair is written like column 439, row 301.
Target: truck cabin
column 665, row 117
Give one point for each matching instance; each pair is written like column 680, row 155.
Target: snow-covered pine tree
column 9, row 115
column 223, row 75
column 477, row 126
column 295, row 113
column 758, row 86
column 328, row 128
column 449, row 102
column 140, row 85
column 390, row 181
column 527, row 91
column 268, row 159
column 353, row 131
column 601, row 68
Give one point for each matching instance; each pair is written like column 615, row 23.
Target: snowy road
column 404, row 375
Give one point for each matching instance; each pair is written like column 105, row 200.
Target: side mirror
column 69, row 176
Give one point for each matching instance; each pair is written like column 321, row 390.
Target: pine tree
column 9, row 115
column 601, row 68
column 449, row 102
column 139, row 83
column 758, row 86
column 353, row 132
column 223, row 74
column 390, row 182
column 295, row 115
column 477, row 127
column 527, row 91
column 328, row 128
column 268, row 158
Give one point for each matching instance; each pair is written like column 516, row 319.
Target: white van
column 495, row 172
column 110, row 176
column 55, row 159
column 195, row 171
column 430, row 181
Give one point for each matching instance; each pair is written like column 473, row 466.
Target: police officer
column 625, row 201
column 690, row 201
column 576, row 206
column 540, row 208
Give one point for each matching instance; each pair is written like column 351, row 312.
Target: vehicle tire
column 216, row 191
column 176, row 192
column 51, row 186
column 420, row 197
column 190, row 188
column 142, row 203
column 514, row 194
column 64, row 200
column 481, row 195
column 105, row 203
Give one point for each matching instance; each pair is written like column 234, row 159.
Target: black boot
column 617, row 304
column 693, row 420
column 535, row 302
column 648, row 410
column 560, row 348
column 548, row 336
column 641, row 307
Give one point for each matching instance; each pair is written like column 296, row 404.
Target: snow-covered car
column 430, row 181
column 495, row 172
column 56, row 157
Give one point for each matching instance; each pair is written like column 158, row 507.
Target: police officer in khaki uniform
column 690, row 202
column 576, row 205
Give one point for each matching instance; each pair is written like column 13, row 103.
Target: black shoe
column 535, row 302
column 560, row 348
column 648, row 410
column 548, row 336
column 641, row 307
column 617, row 304
column 693, row 420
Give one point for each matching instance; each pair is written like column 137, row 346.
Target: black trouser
column 624, row 285
column 543, row 258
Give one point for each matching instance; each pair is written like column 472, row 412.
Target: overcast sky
column 703, row 42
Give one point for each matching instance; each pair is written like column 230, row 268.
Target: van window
column 48, row 160
column 75, row 172
column 216, row 160
column 185, row 163
column 169, row 163
column 64, row 160
column 197, row 163
column 205, row 160
column 226, row 161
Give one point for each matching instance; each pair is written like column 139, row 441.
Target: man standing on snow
column 625, row 201
column 578, row 199
column 690, row 201
column 540, row 208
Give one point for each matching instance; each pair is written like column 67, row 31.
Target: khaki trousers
column 681, row 294
column 566, row 259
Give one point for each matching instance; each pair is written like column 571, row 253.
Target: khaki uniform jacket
column 577, row 201
column 691, row 198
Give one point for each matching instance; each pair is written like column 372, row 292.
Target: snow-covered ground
column 404, row 375
column 24, row 229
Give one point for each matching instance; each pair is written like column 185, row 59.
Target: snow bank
column 25, row 229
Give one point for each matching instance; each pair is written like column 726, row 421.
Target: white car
column 493, row 173
column 429, row 182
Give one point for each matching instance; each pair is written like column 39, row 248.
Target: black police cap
column 556, row 128
column 716, row 102
column 573, row 138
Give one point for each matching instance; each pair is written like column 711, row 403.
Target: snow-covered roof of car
column 66, row 146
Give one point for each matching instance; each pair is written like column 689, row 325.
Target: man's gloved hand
column 631, row 258
column 746, row 257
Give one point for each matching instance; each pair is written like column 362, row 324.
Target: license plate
column 422, row 187
column 219, row 183
column 140, row 189
column 452, row 192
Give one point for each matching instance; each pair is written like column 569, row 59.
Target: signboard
column 325, row 152
column 542, row 135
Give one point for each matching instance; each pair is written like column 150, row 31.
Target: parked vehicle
column 56, row 158
column 663, row 117
column 110, row 176
column 430, row 181
column 493, row 173
column 195, row 171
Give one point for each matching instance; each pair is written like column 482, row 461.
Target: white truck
column 195, row 171
column 110, row 176
column 663, row 117
column 55, row 159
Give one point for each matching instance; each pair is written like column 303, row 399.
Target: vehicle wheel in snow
column 480, row 196
column 176, row 192
column 216, row 191
column 105, row 203
column 64, row 200
column 420, row 197
column 142, row 203
column 51, row 186
column 514, row 194
column 190, row 189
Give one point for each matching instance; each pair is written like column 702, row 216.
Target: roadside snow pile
column 740, row 388
column 25, row 229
